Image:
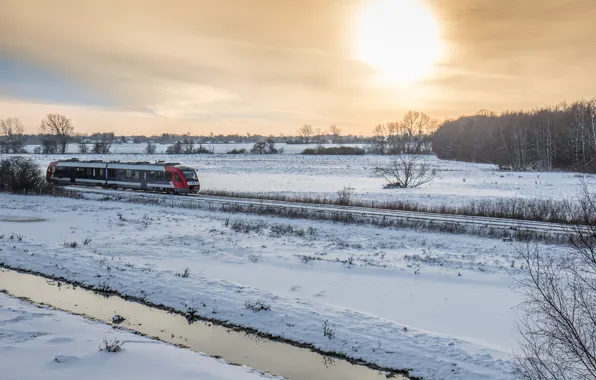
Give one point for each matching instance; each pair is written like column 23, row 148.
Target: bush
column 334, row 151
column 112, row 345
column 257, row 306
column 150, row 148
column 20, row 174
column 344, row 196
column 407, row 171
column 265, row 147
column 237, row 151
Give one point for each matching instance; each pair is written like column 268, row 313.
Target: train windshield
column 190, row 175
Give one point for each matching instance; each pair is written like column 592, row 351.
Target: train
column 160, row 176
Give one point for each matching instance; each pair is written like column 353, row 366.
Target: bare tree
column 558, row 321
column 12, row 130
column 335, row 131
column 406, row 171
column 83, row 148
column 306, row 132
column 379, row 140
column 60, row 128
column 189, row 145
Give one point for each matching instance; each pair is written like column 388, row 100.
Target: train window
column 178, row 178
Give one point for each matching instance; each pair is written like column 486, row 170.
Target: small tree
column 265, row 147
column 175, row 148
column 407, row 171
column 12, row 130
column 60, row 128
column 334, row 131
column 189, row 146
column 558, row 321
column 18, row 174
column 305, row 132
column 49, row 146
column 102, row 147
column 83, row 148
column 150, row 148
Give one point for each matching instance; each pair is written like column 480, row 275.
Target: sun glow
column 400, row 39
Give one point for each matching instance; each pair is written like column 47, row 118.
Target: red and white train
column 170, row 177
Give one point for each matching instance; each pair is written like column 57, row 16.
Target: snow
column 41, row 343
column 456, row 182
column 436, row 303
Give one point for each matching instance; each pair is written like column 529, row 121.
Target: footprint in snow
column 295, row 288
column 60, row 340
column 66, row 359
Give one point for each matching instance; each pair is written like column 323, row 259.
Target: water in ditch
column 277, row 358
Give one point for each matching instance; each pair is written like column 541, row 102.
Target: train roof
column 156, row 163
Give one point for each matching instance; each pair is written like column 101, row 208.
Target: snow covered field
column 40, row 343
column 456, row 182
column 436, row 303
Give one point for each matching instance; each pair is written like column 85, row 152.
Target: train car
column 170, row 177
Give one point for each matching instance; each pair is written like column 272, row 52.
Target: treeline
column 411, row 135
column 556, row 137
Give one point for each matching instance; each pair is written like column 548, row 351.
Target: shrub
column 265, row 147
column 334, row 151
column 257, row 306
column 112, row 345
column 203, row 150
column 328, row 330
column 20, row 174
column 344, row 196
column 184, row 274
column 237, row 151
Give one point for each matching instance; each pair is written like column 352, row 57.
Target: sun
column 400, row 39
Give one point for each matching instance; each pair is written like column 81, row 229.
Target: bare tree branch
column 558, row 321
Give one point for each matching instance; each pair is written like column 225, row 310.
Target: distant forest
column 557, row 137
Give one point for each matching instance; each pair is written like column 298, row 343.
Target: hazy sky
column 270, row 66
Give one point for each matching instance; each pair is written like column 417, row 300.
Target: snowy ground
column 438, row 304
column 456, row 182
column 40, row 343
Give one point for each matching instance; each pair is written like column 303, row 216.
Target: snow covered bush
column 112, row 345
column 20, row 174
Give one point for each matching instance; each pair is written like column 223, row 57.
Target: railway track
column 362, row 212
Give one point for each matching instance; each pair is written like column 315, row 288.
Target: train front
column 191, row 177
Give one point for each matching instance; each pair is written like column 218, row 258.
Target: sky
column 271, row 66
